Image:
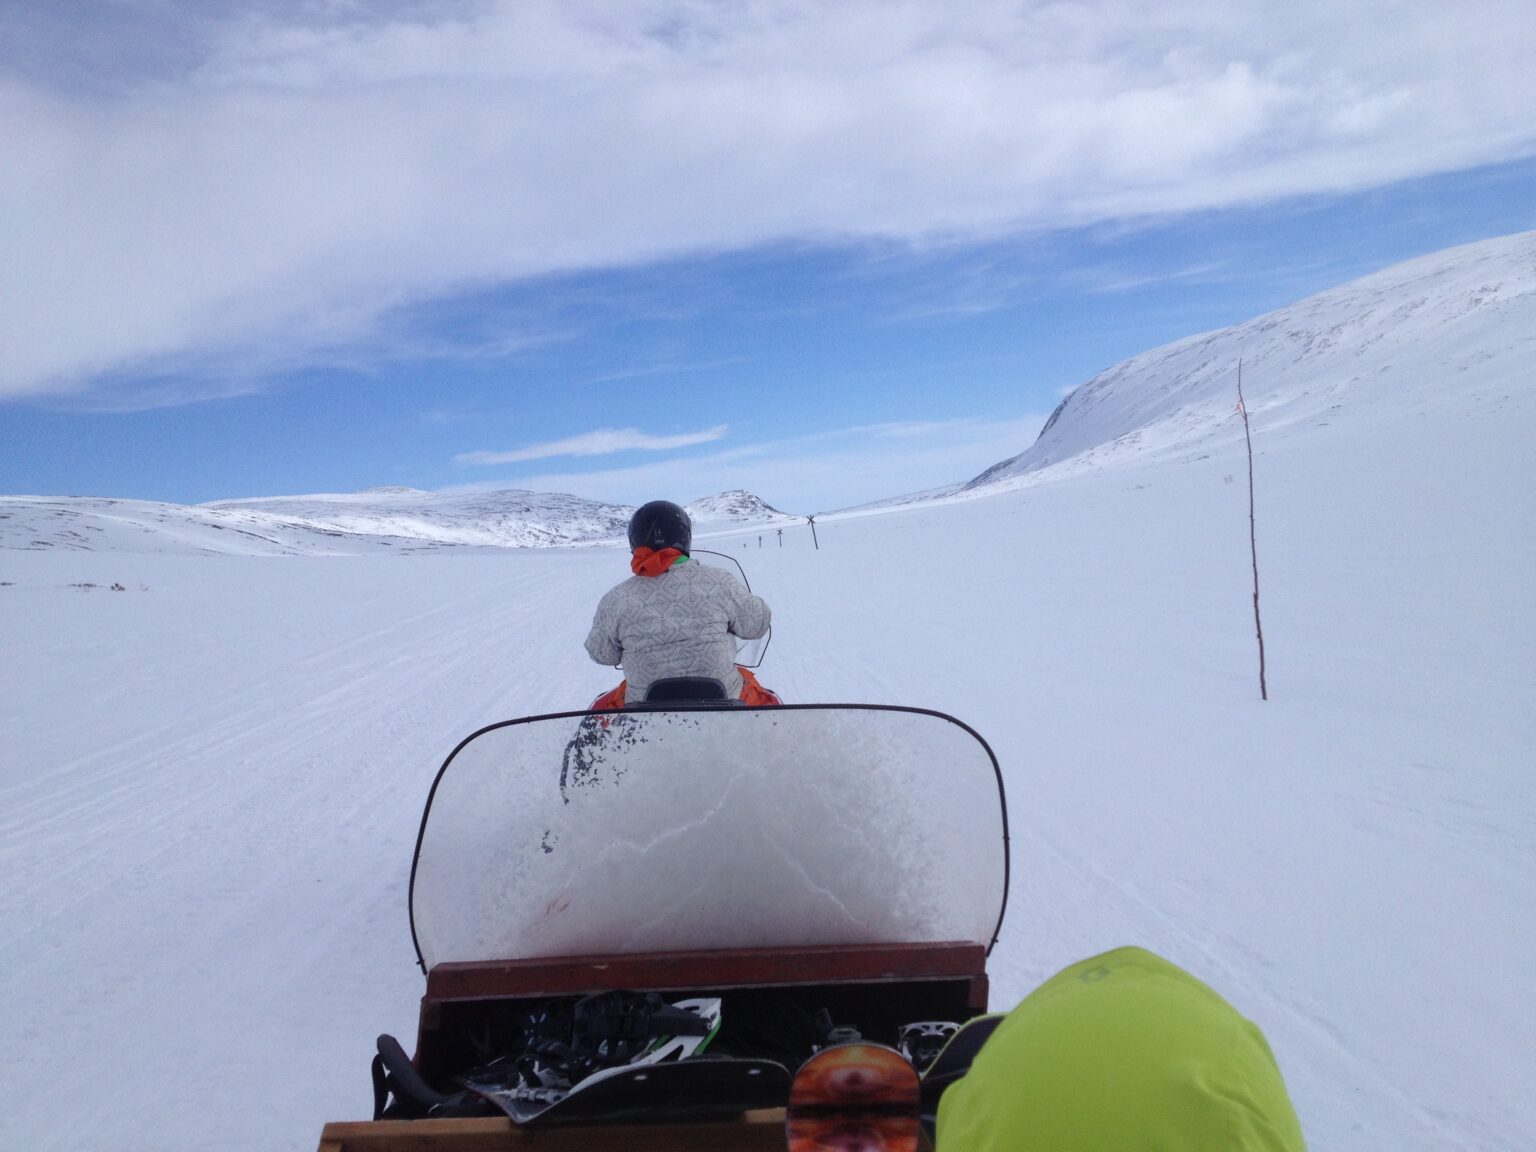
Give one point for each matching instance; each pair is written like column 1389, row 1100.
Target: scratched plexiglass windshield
column 657, row 831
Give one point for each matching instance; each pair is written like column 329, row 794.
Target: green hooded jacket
column 1123, row 1052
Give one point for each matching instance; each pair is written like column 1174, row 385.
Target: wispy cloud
column 833, row 469
column 665, row 369
column 600, row 442
column 1106, row 281
column 202, row 185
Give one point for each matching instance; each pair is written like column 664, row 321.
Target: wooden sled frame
column 873, row 987
column 870, row 986
column 754, row 1132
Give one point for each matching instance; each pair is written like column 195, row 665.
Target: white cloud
column 665, row 368
column 299, row 180
column 823, row 472
column 601, row 442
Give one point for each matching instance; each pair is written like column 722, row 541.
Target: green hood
column 1123, row 1052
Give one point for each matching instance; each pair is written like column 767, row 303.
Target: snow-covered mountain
column 378, row 520
column 736, row 507
column 1444, row 331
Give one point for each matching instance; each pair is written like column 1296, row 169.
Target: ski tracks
column 197, row 877
column 343, row 712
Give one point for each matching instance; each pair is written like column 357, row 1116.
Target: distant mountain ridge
column 1434, row 334
column 376, row 520
column 508, row 518
column 1451, row 327
column 736, row 507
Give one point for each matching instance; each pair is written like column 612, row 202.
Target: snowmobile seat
column 687, row 689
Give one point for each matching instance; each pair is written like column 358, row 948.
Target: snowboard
column 854, row 1097
column 684, row 1089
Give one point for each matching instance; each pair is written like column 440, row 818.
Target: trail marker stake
column 1253, row 545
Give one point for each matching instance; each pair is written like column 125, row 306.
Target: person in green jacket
column 1123, row 1052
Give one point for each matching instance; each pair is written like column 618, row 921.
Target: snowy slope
column 1447, row 330
column 210, row 782
column 390, row 520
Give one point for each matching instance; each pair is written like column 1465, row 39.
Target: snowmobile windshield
column 749, row 653
column 625, row 832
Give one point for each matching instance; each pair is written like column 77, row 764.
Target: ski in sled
column 818, row 874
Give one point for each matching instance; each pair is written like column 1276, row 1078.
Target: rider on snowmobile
column 675, row 617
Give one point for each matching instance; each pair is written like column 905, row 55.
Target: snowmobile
column 635, row 926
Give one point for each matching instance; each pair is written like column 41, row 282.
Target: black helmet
column 661, row 524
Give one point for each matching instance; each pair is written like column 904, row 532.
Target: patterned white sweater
column 681, row 623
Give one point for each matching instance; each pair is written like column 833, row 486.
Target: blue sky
column 829, row 253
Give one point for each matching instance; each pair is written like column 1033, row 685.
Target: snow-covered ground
column 212, row 778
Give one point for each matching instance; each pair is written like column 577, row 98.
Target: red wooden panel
column 755, row 1130
column 741, row 968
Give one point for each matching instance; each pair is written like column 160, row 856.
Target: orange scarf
column 646, row 562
